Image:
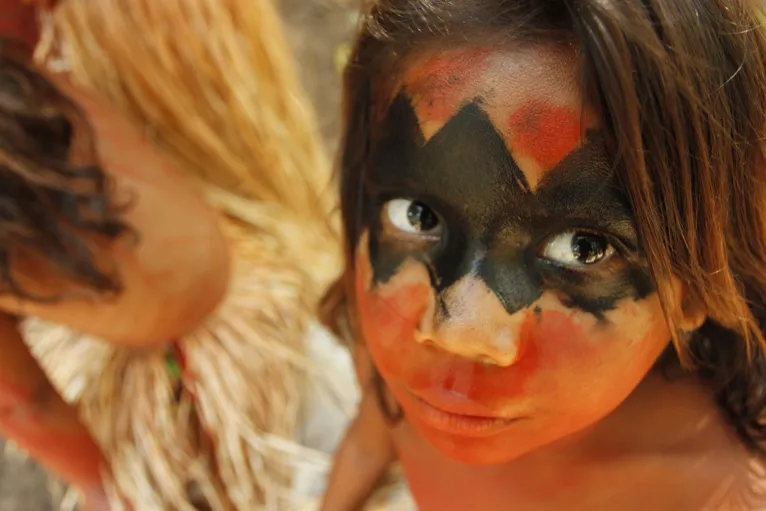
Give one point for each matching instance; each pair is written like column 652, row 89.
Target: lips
column 448, row 413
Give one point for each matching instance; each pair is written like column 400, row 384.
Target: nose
column 471, row 323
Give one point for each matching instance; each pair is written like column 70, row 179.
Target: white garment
column 331, row 399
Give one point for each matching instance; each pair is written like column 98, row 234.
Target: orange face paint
column 545, row 133
column 445, row 79
column 569, row 373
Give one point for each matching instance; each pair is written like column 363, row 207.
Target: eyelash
column 626, row 251
column 619, row 245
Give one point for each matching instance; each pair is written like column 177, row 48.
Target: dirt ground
column 316, row 28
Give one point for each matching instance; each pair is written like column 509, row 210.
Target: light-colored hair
column 213, row 82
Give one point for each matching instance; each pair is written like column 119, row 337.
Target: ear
column 691, row 312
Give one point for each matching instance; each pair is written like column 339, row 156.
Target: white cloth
column 331, row 399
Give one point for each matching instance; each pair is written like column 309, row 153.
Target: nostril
column 486, row 360
column 425, row 340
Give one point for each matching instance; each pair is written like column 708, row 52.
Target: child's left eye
column 577, row 249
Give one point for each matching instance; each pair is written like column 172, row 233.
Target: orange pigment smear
column 440, row 85
column 545, row 133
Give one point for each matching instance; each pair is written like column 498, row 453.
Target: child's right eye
column 411, row 217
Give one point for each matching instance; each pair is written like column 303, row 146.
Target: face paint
column 545, row 133
column 481, row 413
column 500, row 285
column 451, row 74
column 466, row 173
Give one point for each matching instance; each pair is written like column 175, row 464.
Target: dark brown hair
column 682, row 88
column 48, row 204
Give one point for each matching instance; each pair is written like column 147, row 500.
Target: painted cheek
column 591, row 366
column 546, row 340
column 390, row 321
column 444, row 81
column 544, row 133
column 562, row 339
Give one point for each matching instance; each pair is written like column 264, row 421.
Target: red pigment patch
column 545, row 133
column 395, row 319
column 439, row 85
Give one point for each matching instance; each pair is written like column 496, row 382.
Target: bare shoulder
column 741, row 485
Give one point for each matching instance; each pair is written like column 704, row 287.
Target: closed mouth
column 458, row 424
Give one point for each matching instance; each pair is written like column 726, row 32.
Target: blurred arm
column 365, row 453
column 34, row 416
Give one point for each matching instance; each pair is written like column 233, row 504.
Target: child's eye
column 577, row 249
column 412, row 217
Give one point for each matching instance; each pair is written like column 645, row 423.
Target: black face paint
column 493, row 220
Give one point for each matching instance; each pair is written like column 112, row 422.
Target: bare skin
column 366, row 452
column 521, row 347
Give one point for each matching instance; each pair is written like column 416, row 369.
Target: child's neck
column 662, row 416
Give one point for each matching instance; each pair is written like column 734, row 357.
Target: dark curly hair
column 682, row 88
column 50, row 202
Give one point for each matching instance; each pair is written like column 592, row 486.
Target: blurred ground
column 316, row 28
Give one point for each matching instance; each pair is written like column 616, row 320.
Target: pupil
column 422, row 217
column 589, row 249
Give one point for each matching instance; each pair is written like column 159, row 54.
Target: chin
column 494, row 450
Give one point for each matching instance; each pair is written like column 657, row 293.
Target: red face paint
column 569, row 373
column 441, row 83
column 545, row 133
column 418, row 373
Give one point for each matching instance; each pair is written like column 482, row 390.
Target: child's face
column 500, row 287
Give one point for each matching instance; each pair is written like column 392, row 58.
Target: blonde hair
column 213, row 84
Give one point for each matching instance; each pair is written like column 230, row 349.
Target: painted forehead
column 531, row 96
